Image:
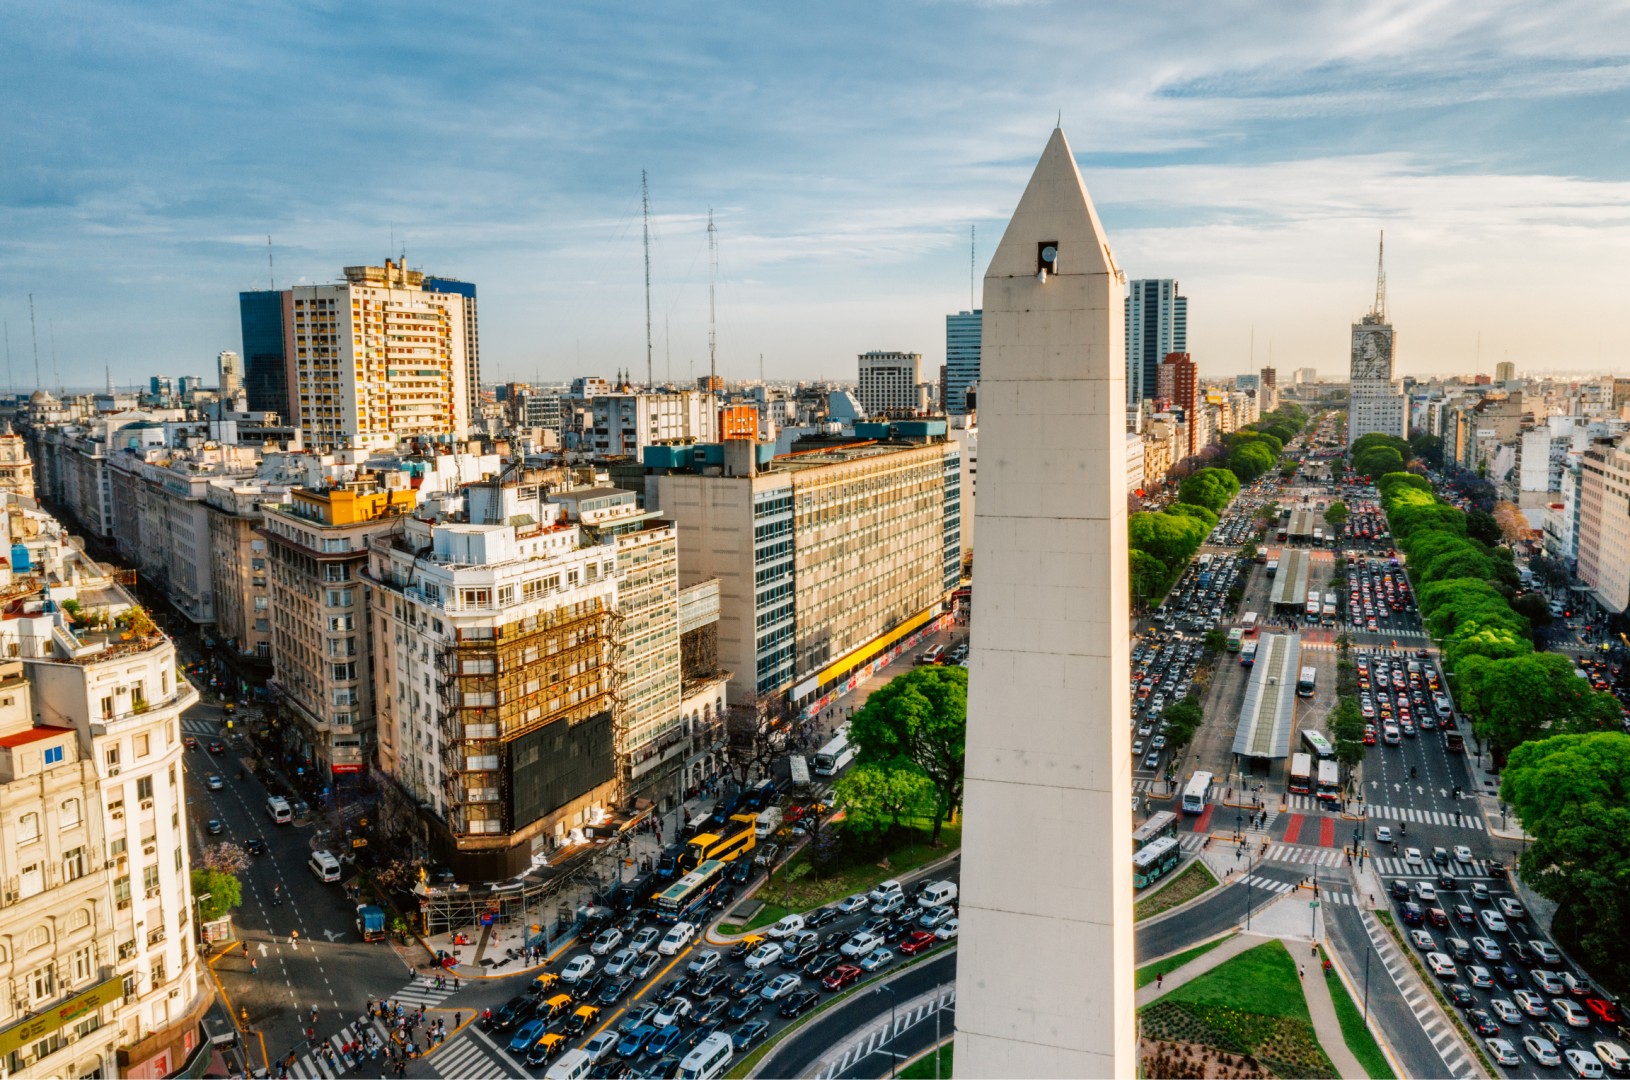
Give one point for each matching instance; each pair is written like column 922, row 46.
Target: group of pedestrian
column 440, row 982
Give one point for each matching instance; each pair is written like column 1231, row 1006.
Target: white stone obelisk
column 1044, row 967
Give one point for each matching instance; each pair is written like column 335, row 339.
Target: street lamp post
column 894, row 1001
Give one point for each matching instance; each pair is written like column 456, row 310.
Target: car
column 583, row 1018
column 851, row 904
column 1422, row 940
column 861, row 943
column 599, row 1047
column 644, row 964
column 620, row 962
column 1460, row 994
column 216, row 746
column 1383, row 834
column 841, row 976
column 639, row 1016
column 1508, row 975
column 614, row 990
column 215, row 782
column 821, row 963
column 525, row 1036
column 780, row 987
column 1463, row 853
column 1440, row 854
column 1487, row 948
column 1613, row 1055
column 674, row 1010
column 216, row 826
column 1559, row 1034
column 744, row 1008
column 1583, row 1064
column 1481, row 1022
column 1546, row 952
column 918, row 941
column 763, row 956
column 1480, row 976
column 749, row 984
column 1411, row 914
column 678, row 936
column 877, row 958
column 1502, row 1052
column 746, row 1037
column 548, row 1045
column 1492, row 921
column 1608, row 1012
column 577, row 969
column 1426, row 892
column 255, row 846
column 1464, row 915
column 509, row 1014
column 1437, row 916
column 1458, row 948
column 796, row 1004
column 644, row 939
column 710, row 1009
column 1413, row 856
column 632, row 1044
column 787, row 926
column 1506, row 1011
column 663, row 1041
column 1399, row 890
column 1446, row 881
column 1440, row 965
column 931, row 918
column 1541, row 1051
column 1523, row 954
column 704, row 962
column 1546, row 980
column 1531, row 1003
column 1565, row 1010
column 948, row 930
column 190, row 743
column 820, row 917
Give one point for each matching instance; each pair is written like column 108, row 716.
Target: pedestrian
column 458, row 1017
column 455, row 984
column 1160, row 979
column 254, row 968
column 246, row 950
column 1301, row 972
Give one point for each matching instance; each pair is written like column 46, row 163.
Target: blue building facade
column 962, row 336
column 265, row 368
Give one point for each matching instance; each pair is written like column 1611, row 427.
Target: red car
column 189, row 742
column 842, row 976
column 1369, row 734
column 1437, row 916
column 1606, row 1011
column 918, row 941
column 793, row 813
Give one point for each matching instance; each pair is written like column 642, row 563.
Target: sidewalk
column 1314, row 990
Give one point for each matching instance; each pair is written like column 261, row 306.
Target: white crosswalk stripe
column 199, row 727
column 1477, row 869
column 465, row 1057
column 423, row 992
column 1306, row 856
column 1329, row 896
column 313, row 1064
column 1425, row 817
column 1191, row 842
column 1454, row 1061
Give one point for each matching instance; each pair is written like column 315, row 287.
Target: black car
column 671, row 988
column 1508, row 976
column 611, row 1068
column 741, row 871
column 795, row 952
column 614, row 991
column 749, row 984
column 509, row 1014
column 706, row 1012
column 707, row 985
column 747, row 1036
column 1400, row 890
column 819, row 918
column 1523, row 954
column 747, row 1007
column 255, row 846
column 216, row 746
column 1446, row 880
column 1482, row 1022
column 1460, row 994
column 693, row 1038
column 873, row 925
column 798, row 1003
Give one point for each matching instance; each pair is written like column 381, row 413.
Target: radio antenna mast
column 645, row 206
column 712, row 277
column 1380, row 309
column 271, row 267
column 34, row 332
column 973, row 247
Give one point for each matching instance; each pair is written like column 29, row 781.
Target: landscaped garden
column 1188, row 884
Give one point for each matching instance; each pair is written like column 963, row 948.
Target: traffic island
column 1189, row 884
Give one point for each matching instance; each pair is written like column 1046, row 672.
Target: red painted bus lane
column 1293, row 828
column 1327, row 832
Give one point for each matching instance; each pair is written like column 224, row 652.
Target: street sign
column 1312, row 903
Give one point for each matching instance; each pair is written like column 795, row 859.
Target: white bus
column 1317, row 744
column 1304, row 685
column 1196, row 793
column 1312, row 607
column 931, row 655
column 833, row 756
column 1329, row 782
column 1248, row 624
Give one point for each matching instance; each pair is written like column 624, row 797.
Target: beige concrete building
column 1604, row 523
column 239, row 569
column 1046, row 848
column 377, row 357
column 619, row 424
column 16, row 470
column 318, row 548
column 891, row 384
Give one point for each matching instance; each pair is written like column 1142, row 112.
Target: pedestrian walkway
column 1477, row 869
column 1419, row 1000
column 476, row 1057
column 1471, row 821
column 200, row 728
column 313, row 1062
column 1332, row 896
column 877, row 1035
column 423, row 991
column 1299, row 855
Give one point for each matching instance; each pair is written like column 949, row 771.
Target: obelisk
column 1044, row 967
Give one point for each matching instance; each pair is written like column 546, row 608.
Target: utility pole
column 34, row 332
column 645, row 207
column 973, row 247
column 712, row 329
column 271, row 267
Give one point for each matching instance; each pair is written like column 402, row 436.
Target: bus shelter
column 1269, row 713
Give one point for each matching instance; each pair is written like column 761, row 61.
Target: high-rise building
column 1505, row 371
column 617, row 424
column 262, row 315
column 872, row 524
column 891, row 383
column 1604, row 523
column 1157, row 324
column 1377, row 405
column 1305, row 375
column 472, row 335
column 1052, row 607
column 229, row 373
column 1178, row 383
column 961, row 359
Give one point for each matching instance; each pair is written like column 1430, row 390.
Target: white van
column 277, row 808
column 890, row 903
column 768, row 821
column 324, row 865
column 572, row 1065
column 937, row 894
column 886, row 889
column 708, row 1060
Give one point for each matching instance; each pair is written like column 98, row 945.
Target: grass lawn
column 923, row 1067
column 1354, row 1033
column 1260, row 980
column 809, row 891
column 1188, row 884
column 1148, row 972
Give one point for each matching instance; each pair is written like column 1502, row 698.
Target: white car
column 1503, row 1052
column 621, row 962
column 1463, row 853
column 678, row 936
column 948, row 929
column 1422, row 940
column 780, row 986
column 1492, row 921
column 1505, row 1011
column 1542, row 1051
column 577, row 969
column 601, row 1046
column 1427, row 892
column 788, row 926
column 851, row 904
column 1413, row 856
column 1383, row 834
column 644, row 938
column 1511, row 908
column 860, row 945
column 763, row 956
column 1583, row 1064
column 702, row 963
column 608, row 940
column 1569, row 1013
column 1441, row 965
column 1487, row 948
column 673, row 1010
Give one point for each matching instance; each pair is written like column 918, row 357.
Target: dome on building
column 41, row 397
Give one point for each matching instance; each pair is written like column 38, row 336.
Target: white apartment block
column 377, row 357
column 1604, row 523
column 891, row 384
column 618, row 424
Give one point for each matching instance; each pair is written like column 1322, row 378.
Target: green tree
column 1215, row 641
column 1183, row 509
column 224, row 889
column 1532, row 606
column 1378, row 461
column 1572, row 793
column 1213, row 489
column 1183, row 719
column 877, row 797
column 1335, row 515
column 1250, row 460
column 1171, row 538
column 1149, row 576
column 1429, row 448
column 919, row 721
column 1374, row 440
column 1480, row 525
column 1521, row 698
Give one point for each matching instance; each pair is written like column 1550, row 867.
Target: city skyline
column 1254, row 166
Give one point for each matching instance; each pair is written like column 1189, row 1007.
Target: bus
column 1318, row 745
column 833, row 756
column 690, row 894
column 1196, row 793
column 735, row 838
column 1301, row 774
column 1247, row 654
column 1154, row 862
column 1160, row 825
column 1304, row 684
column 1235, row 637
column 1248, row 624
column 1318, row 538
column 931, row 655
column 1312, row 608
column 1273, row 567
column 1329, row 783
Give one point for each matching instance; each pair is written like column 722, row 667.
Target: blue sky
column 845, row 148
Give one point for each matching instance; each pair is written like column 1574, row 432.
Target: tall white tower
column 1044, row 974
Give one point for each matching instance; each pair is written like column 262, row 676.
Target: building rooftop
column 33, row 734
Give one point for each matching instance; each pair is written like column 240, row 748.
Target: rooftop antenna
column 271, row 267
column 1380, row 309
column 56, row 372
column 645, row 207
column 761, row 369
column 712, row 277
column 11, row 384
column 668, row 350
column 973, row 248
column 34, row 332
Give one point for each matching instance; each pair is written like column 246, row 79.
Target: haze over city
column 845, row 150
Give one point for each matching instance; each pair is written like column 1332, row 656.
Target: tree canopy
column 1213, row 489
column 919, row 721
column 224, row 889
column 878, row 796
column 1249, row 460
column 1530, row 696
column 1378, row 461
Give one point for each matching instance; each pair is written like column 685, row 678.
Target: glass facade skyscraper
column 265, row 368
column 962, row 336
column 1157, row 324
